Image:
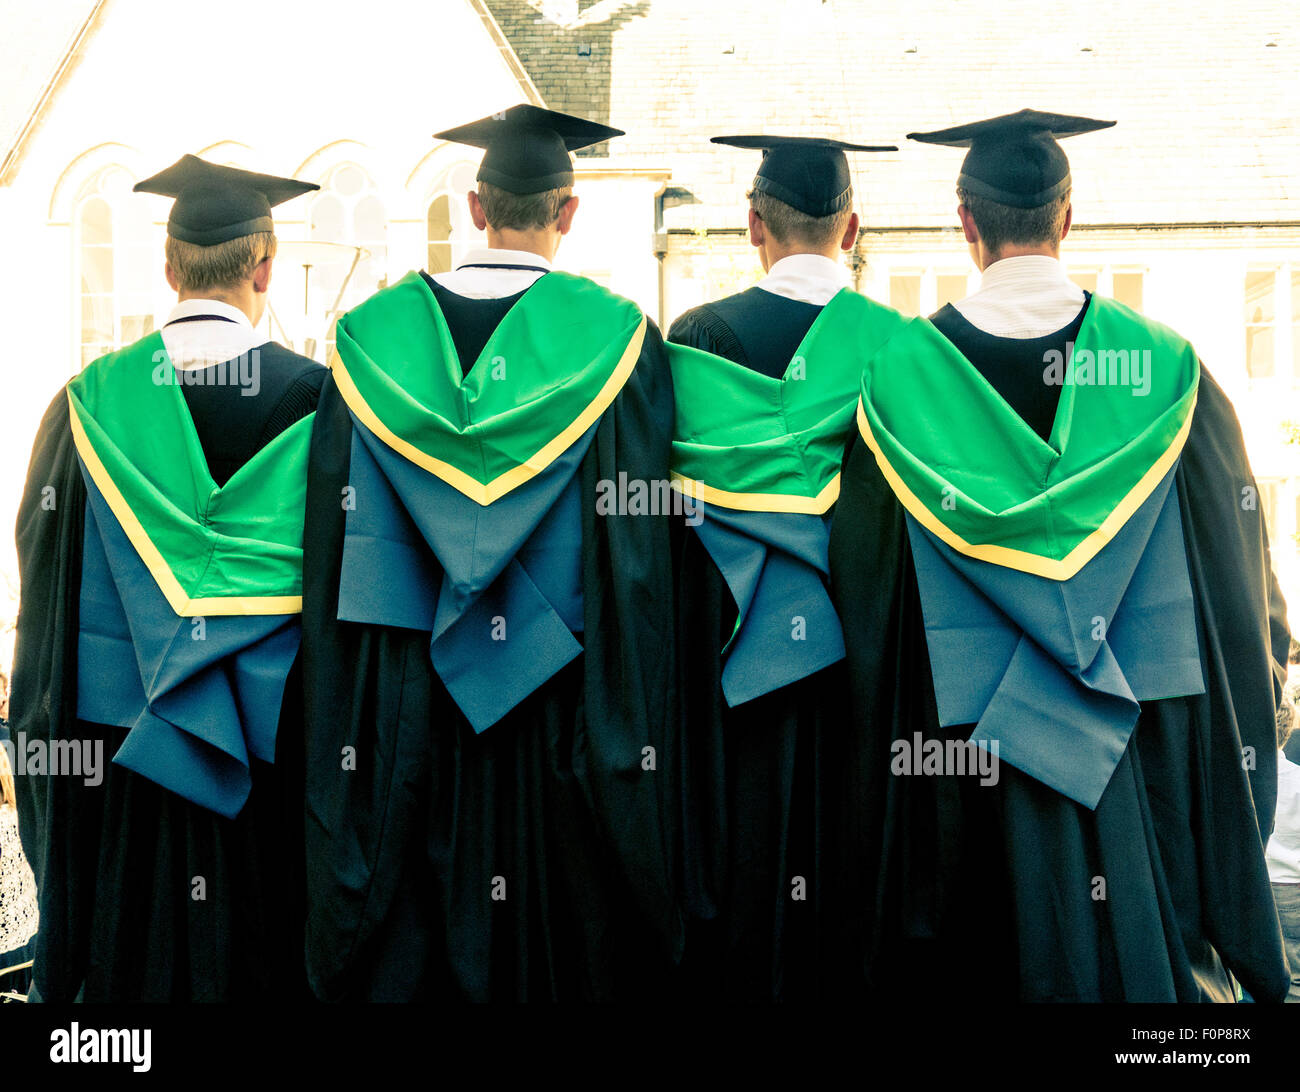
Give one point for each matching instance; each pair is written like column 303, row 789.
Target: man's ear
column 1069, row 219
column 757, row 229
column 567, row 212
column 968, row 227
column 476, row 210
column 172, row 282
column 850, row 233
column 262, row 276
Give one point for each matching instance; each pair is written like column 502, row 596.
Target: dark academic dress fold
column 765, row 389
column 168, row 861
column 1093, row 598
column 489, row 656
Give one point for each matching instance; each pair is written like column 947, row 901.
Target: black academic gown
column 116, row 863
column 549, row 807
column 975, row 892
column 762, row 779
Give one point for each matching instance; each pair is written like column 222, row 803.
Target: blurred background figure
column 18, row 911
column 1283, row 852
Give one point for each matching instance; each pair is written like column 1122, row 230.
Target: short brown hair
column 789, row 226
column 199, row 268
column 521, row 211
column 1000, row 225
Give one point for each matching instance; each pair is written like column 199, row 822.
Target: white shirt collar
column 210, row 339
column 1029, row 271
column 1026, row 296
column 500, row 256
column 812, row 278
column 191, row 307
column 488, row 274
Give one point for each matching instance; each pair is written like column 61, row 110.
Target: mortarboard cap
column 215, row 204
column 527, row 147
column 810, row 174
column 1014, row 159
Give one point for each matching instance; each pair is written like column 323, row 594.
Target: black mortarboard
column 810, row 174
column 1014, row 159
column 528, row 147
column 215, row 204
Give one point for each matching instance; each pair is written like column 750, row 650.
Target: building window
column 905, row 293
column 98, row 332
column 949, row 288
column 116, row 265
column 1260, row 314
column 1270, row 502
column 439, row 227
column 1126, row 287
column 347, row 210
column 450, row 231
column 1295, row 322
column 1085, row 279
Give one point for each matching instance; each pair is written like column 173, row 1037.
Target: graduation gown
column 1153, row 891
column 488, row 819
column 144, row 894
column 766, row 706
column 756, row 328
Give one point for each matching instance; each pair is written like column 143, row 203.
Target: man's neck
column 543, row 244
column 774, row 256
column 236, row 300
column 1013, row 251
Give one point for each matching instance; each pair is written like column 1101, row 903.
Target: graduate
column 766, row 383
column 1047, row 545
column 488, row 633
column 156, row 722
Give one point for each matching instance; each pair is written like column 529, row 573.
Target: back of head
column 796, row 230
column 506, row 211
column 526, row 175
column 802, row 190
column 220, row 227
column 1015, row 179
column 219, row 267
column 1002, row 225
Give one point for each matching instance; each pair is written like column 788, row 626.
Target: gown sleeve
column 51, row 521
column 359, row 684
column 1240, row 599
column 630, row 646
column 702, row 328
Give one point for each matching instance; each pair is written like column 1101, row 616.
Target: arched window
column 347, row 210
column 450, row 231
column 439, row 234
column 116, row 263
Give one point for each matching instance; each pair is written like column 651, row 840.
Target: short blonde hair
column 521, row 212
column 199, row 268
column 790, row 227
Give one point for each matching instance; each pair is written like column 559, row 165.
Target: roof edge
column 507, row 51
column 14, row 153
